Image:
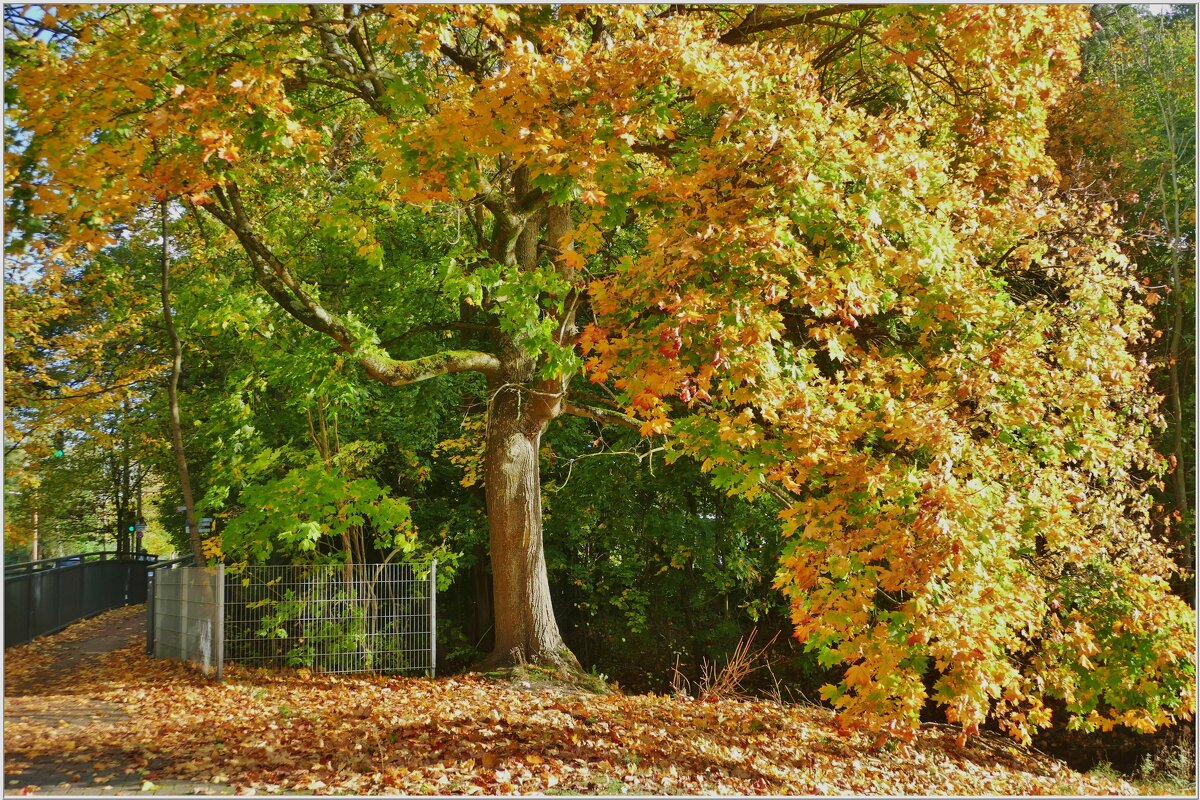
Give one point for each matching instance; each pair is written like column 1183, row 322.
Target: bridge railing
column 45, row 596
column 28, row 567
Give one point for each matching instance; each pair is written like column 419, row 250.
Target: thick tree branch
column 283, row 287
column 753, row 23
column 605, row 416
column 469, row 65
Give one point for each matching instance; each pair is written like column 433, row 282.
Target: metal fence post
column 219, row 622
column 154, row 639
column 432, row 618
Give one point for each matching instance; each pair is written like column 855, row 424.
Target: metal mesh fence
column 331, row 618
column 187, row 615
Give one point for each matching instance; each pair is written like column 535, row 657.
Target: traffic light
column 58, row 445
column 131, row 528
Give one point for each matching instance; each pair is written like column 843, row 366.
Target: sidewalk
column 39, row 677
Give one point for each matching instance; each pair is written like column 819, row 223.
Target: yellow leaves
column 466, row 451
column 211, row 547
column 858, row 675
column 430, row 43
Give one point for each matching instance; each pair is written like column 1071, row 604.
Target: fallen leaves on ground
column 285, row 733
column 33, row 661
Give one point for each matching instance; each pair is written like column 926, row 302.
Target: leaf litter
column 289, row 731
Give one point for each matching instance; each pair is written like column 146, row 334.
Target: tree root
column 558, row 670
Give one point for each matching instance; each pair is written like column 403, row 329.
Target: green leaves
column 526, row 304
column 297, row 513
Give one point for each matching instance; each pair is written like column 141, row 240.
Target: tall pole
column 137, row 529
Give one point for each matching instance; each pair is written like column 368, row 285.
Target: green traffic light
column 131, row 528
column 58, row 453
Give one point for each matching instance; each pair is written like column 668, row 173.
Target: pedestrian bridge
column 45, row 596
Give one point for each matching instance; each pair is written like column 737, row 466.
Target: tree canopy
column 822, row 251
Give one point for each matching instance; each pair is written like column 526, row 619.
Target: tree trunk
column 520, row 406
column 124, row 535
column 525, row 628
column 185, row 481
column 1175, row 352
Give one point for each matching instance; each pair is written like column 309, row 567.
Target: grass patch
column 1172, row 772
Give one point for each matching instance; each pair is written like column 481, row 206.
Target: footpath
column 39, row 690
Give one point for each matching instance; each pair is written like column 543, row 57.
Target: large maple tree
column 818, row 248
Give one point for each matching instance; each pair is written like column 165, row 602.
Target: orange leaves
column 592, row 197
column 645, row 401
column 141, row 91
column 267, row 732
column 93, row 138
column 572, row 260
column 219, row 143
column 909, row 58
column 858, row 675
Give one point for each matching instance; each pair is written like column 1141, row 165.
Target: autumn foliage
column 833, row 267
column 146, row 723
